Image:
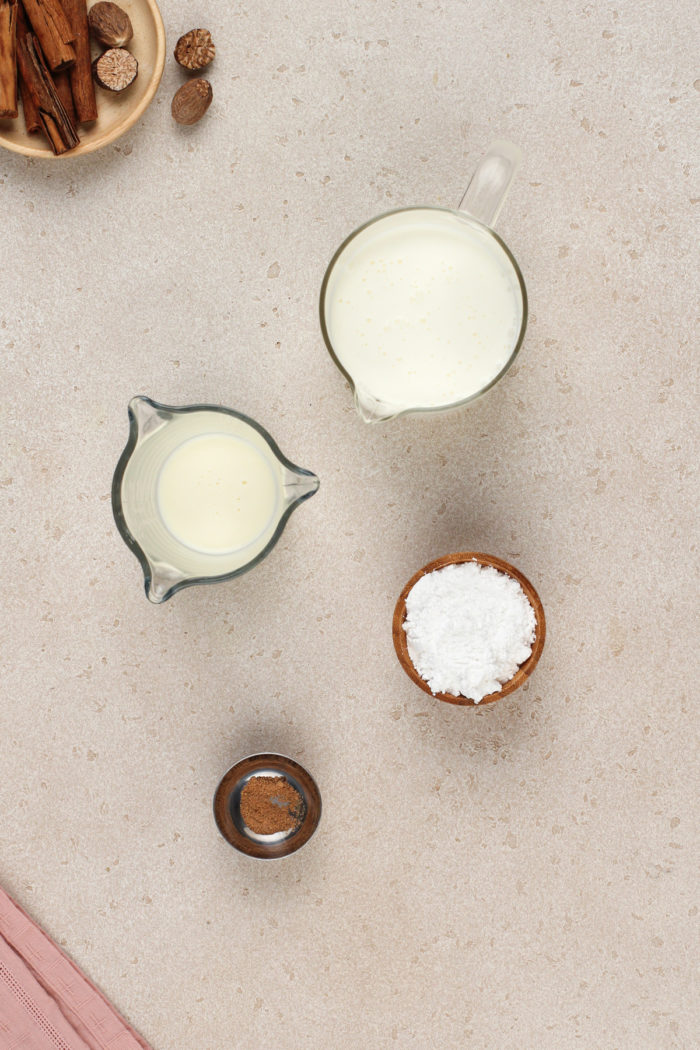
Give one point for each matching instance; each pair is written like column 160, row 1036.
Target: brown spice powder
column 271, row 804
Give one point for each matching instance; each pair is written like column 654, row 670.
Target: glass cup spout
column 299, row 485
column 371, row 409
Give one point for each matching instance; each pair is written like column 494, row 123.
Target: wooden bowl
column 116, row 112
column 228, row 815
column 523, row 672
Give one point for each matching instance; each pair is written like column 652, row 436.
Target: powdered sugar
column 468, row 629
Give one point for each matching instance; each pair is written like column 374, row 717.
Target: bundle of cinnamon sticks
column 45, row 51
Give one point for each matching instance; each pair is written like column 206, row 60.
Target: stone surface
column 519, row 876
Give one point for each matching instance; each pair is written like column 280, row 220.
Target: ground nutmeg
column 271, row 804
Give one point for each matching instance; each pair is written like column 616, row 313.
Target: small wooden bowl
column 116, row 112
column 523, row 672
column 227, row 811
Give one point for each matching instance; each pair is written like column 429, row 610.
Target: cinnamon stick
column 30, row 110
column 57, row 127
column 53, row 32
column 8, row 58
column 81, row 81
column 61, row 82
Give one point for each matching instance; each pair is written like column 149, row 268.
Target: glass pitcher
column 201, row 494
column 424, row 308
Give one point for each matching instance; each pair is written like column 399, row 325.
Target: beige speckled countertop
column 520, row 876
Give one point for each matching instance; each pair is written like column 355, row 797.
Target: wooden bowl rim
column 246, row 766
column 130, row 115
column 523, row 672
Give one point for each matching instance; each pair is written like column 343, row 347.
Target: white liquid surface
column 217, row 493
column 423, row 309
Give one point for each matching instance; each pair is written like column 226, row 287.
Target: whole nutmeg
column 191, row 101
column 195, row 49
column 115, row 69
column 109, row 25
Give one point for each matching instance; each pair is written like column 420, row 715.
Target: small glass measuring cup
column 157, row 433
column 473, row 221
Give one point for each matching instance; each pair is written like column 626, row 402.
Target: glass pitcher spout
column 162, row 580
column 372, row 410
column 147, row 416
column 300, row 485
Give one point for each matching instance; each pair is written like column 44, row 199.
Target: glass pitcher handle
column 491, row 181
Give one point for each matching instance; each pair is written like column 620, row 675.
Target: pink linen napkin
column 46, row 1003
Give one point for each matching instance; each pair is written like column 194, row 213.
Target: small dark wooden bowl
column 227, row 809
column 523, row 672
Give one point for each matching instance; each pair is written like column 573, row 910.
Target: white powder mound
column 468, row 628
